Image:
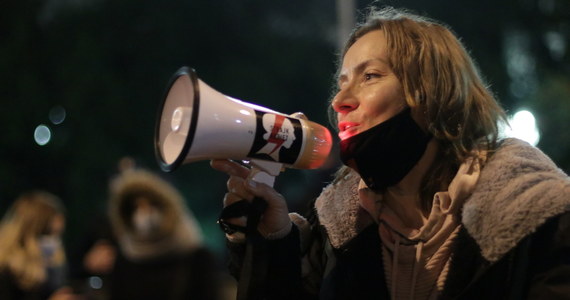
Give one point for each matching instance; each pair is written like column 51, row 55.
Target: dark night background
column 106, row 65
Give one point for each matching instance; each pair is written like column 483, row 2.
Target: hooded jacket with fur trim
column 167, row 262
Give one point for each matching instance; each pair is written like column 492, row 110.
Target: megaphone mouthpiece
column 318, row 146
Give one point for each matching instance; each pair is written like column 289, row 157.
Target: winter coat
column 172, row 262
column 514, row 241
column 191, row 275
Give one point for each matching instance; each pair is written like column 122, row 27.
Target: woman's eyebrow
column 359, row 68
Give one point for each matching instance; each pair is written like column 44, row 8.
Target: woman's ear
column 419, row 98
column 419, row 110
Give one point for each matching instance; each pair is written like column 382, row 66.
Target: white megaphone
column 196, row 122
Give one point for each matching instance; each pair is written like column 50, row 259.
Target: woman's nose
column 344, row 102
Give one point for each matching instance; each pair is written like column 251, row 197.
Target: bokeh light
column 523, row 126
column 95, row 282
column 42, row 135
column 57, row 114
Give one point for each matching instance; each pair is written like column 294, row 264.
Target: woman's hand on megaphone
column 275, row 220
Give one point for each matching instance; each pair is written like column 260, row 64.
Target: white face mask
column 146, row 221
column 48, row 245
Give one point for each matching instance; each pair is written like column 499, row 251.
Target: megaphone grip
column 264, row 171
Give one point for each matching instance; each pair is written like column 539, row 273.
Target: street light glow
column 523, row 126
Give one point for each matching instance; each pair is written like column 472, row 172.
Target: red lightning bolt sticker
column 275, row 138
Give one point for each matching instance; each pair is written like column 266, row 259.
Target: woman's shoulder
column 518, row 190
column 518, row 155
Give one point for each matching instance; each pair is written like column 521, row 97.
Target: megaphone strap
column 241, row 208
column 252, row 278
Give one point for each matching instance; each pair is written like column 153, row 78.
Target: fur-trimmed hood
column 519, row 188
column 179, row 231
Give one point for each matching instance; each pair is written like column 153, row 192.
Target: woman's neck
column 404, row 198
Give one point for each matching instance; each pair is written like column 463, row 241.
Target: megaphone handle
column 260, row 176
column 264, row 171
column 252, row 280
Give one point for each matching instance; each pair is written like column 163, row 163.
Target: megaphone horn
column 196, row 122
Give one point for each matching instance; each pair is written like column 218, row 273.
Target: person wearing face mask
column 32, row 256
column 431, row 202
column 160, row 251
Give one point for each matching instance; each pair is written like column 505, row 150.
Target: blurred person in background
column 94, row 258
column 32, row 257
column 160, row 250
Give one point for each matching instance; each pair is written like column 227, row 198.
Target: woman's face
column 57, row 225
column 369, row 92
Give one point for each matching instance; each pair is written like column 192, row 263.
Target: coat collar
column 519, row 188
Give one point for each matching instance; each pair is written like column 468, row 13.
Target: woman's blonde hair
column 441, row 80
column 25, row 222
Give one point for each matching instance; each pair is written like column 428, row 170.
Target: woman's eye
column 368, row 76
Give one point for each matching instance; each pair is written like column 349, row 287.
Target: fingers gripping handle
column 262, row 172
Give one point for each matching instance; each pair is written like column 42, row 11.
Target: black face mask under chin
column 384, row 154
